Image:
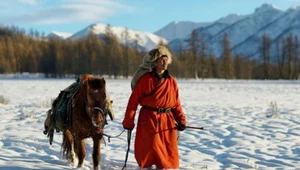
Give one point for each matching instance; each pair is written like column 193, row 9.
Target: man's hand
column 127, row 128
column 180, row 127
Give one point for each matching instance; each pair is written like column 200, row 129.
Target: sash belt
column 158, row 110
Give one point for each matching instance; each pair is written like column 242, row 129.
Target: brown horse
column 90, row 107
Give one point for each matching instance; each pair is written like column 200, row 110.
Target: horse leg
column 96, row 153
column 81, row 152
column 70, row 140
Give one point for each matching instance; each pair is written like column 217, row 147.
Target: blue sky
column 71, row 16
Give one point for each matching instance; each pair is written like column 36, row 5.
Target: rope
column 109, row 136
column 128, row 149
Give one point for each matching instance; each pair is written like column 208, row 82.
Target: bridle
column 102, row 111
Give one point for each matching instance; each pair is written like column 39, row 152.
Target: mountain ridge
column 244, row 31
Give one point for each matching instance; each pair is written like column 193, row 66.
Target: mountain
column 286, row 24
column 245, row 34
column 59, row 35
column 244, row 31
column 179, row 30
column 246, row 27
column 146, row 40
column 230, row 19
column 208, row 31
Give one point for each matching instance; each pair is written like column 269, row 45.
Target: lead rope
column 109, row 136
column 128, row 148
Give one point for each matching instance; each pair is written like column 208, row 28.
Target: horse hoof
column 72, row 158
column 80, row 166
column 96, row 168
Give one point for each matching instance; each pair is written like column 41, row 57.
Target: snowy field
column 243, row 128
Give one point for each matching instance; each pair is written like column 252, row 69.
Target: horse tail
column 47, row 122
column 67, row 143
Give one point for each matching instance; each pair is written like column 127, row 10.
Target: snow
column 242, row 128
column 265, row 7
column 62, row 35
column 231, row 18
column 179, row 29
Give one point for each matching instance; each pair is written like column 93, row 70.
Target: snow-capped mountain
column 59, row 35
column 287, row 24
column 146, row 40
column 246, row 27
column 208, row 31
column 179, row 30
column 245, row 34
column 230, row 19
column 244, row 31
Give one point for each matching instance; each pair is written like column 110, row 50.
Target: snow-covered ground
column 243, row 129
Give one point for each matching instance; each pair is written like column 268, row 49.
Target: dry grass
column 3, row 100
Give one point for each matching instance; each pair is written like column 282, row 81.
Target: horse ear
column 87, row 80
column 103, row 80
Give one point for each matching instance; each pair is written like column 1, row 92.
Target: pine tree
column 280, row 58
column 265, row 53
column 203, row 57
column 193, row 46
column 290, row 55
column 126, row 38
column 226, row 58
column 296, row 58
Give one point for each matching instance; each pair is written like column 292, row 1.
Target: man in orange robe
column 160, row 117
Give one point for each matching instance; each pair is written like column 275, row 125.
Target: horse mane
column 81, row 96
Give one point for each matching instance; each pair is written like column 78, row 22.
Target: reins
column 128, row 143
column 109, row 136
column 128, row 147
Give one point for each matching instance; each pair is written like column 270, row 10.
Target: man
column 161, row 114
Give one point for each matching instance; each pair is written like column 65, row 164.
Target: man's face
column 161, row 64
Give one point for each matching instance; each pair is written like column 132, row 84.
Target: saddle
column 60, row 114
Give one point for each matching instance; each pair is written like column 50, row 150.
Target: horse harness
column 103, row 112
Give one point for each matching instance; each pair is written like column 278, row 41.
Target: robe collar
column 164, row 75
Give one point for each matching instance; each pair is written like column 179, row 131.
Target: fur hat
column 158, row 52
column 148, row 60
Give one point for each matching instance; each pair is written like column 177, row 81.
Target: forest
column 32, row 52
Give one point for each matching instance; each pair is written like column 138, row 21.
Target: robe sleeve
column 134, row 99
column 177, row 109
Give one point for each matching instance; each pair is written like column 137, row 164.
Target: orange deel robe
column 156, row 134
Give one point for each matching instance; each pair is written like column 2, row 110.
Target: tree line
column 31, row 52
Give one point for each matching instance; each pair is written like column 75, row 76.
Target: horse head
column 96, row 101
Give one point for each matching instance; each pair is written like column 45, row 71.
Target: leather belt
column 158, row 110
